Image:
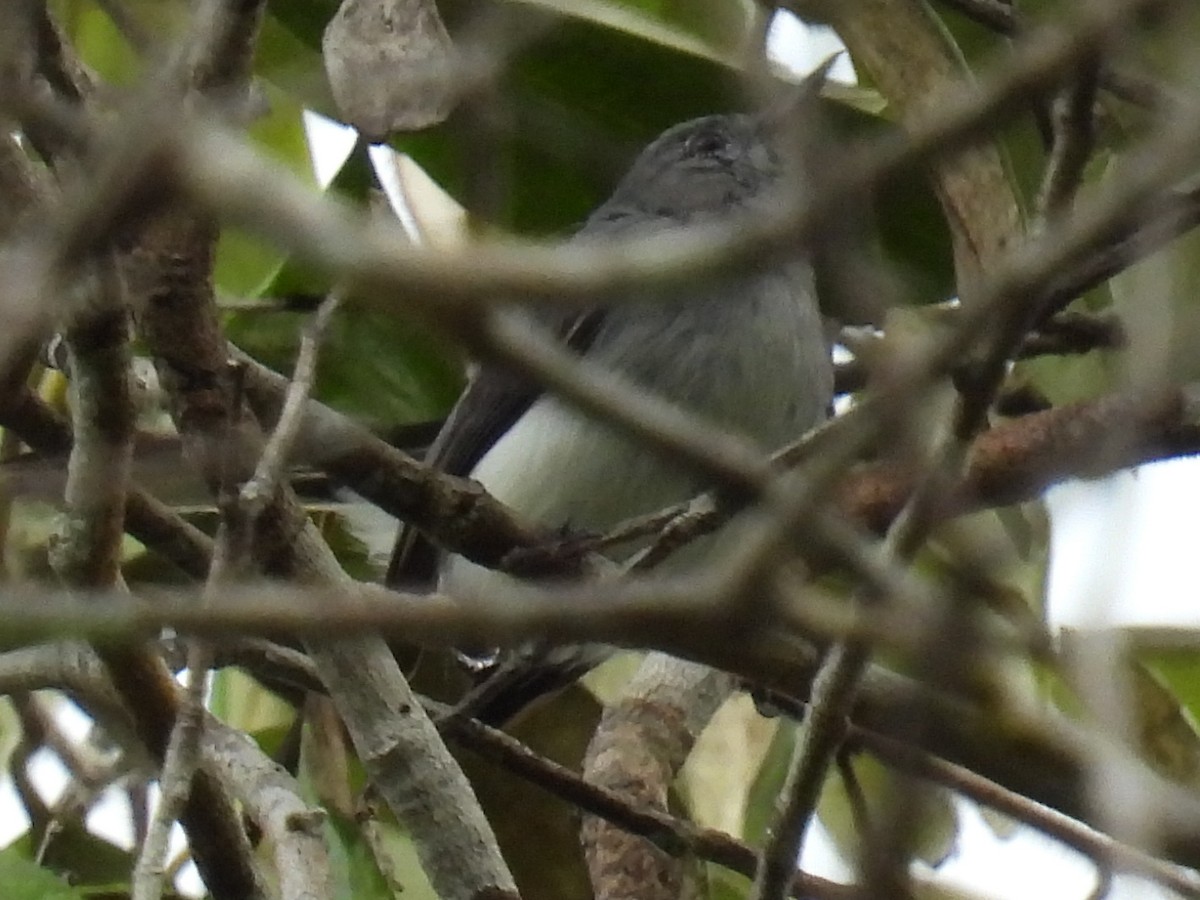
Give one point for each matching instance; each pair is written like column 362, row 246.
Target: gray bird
column 746, row 353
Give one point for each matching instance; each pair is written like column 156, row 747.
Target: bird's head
column 712, row 166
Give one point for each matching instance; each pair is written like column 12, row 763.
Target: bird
column 745, row 352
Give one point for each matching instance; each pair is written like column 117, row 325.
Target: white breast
column 557, row 467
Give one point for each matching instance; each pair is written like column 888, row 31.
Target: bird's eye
column 706, row 143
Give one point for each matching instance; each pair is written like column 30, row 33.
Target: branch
column 1103, row 850
column 269, row 472
column 400, row 749
column 972, row 185
column 88, row 554
column 1003, row 17
column 456, row 512
column 1011, row 463
column 271, row 798
column 1074, row 139
column 274, row 800
column 642, row 740
column 672, row 835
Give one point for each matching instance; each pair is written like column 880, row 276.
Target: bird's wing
column 493, row 400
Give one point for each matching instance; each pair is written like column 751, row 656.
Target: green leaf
column 1162, row 689
column 356, row 865
column 102, row 47
column 551, row 866
column 720, row 772
column 305, row 20
column 380, row 369
column 1166, row 689
column 353, row 553
column 1159, row 303
column 575, row 105
column 245, row 264
column 360, row 847
column 717, row 28
column 24, row 879
column 726, row 885
column 288, row 57
column 936, row 832
column 768, row 785
column 75, row 853
column 238, row 700
column 10, row 732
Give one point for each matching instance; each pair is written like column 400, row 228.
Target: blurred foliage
column 582, row 86
column 69, row 855
column 24, row 879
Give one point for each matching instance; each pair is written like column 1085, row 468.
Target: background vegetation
column 1003, row 222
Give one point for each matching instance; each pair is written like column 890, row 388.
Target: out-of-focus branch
column 1043, row 757
column 36, row 59
column 88, row 554
column 270, row 797
column 1003, row 17
column 171, row 266
column 1073, row 113
column 1011, row 463
column 667, row 833
column 22, row 186
column 219, row 53
column 149, row 520
column 1099, row 847
column 57, row 62
column 972, row 184
column 1066, row 333
column 24, row 189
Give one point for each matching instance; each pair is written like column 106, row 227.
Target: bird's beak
column 795, row 104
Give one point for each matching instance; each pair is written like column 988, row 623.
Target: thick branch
column 672, row 835
column 642, row 740
column 271, row 798
column 89, row 555
column 401, row 750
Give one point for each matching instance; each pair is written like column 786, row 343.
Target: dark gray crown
column 707, row 166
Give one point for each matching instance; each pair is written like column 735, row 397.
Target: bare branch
column 668, row 833
column 1074, row 137
column 1099, row 847
column 178, row 771
column 642, row 740
column 270, row 797
column 1003, row 17
column 256, row 492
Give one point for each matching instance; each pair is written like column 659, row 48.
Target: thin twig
column 670, row 833
column 1003, row 17
column 269, row 796
column 1099, row 847
column 175, row 780
column 833, row 692
column 1074, row 137
column 269, row 471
